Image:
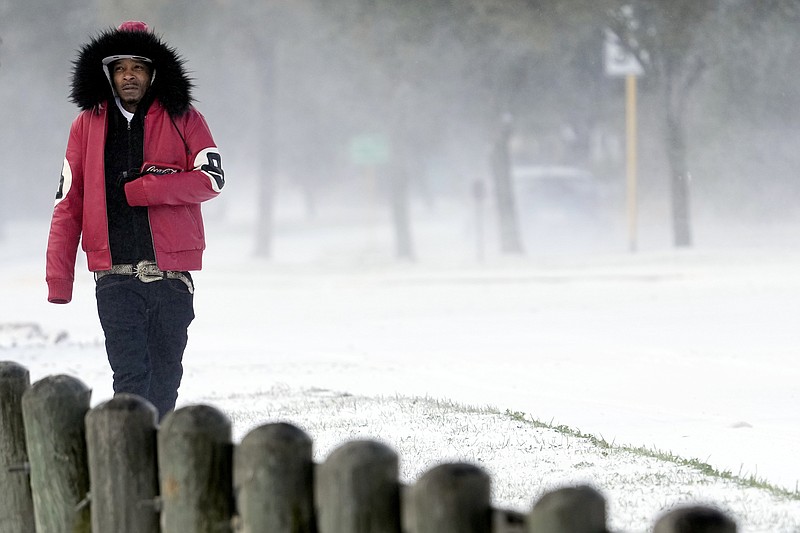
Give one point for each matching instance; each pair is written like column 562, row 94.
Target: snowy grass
column 705, row 468
column 525, row 457
column 692, row 352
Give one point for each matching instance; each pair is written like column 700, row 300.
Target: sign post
column 620, row 62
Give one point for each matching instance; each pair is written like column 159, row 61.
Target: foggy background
column 367, row 113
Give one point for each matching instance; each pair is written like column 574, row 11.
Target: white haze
column 692, row 351
column 689, row 352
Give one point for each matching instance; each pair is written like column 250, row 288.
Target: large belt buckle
column 147, row 272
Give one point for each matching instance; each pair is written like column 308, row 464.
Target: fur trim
column 171, row 86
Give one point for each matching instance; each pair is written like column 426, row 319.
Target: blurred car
column 551, row 194
column 562, row 208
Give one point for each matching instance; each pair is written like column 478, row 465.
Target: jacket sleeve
column 202, row 182
column 65, row 226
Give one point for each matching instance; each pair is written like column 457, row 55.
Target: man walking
column 140, row 160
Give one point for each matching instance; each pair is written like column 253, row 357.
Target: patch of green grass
column 606, row 447
column 704, row 468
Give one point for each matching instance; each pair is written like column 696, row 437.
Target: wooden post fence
column 569, row 510
column 195, row 471
column 53, row 410
column 357, row 490
column 16, row 503
column 123, row 474
column 187, row 476
column 273, row 480
column 695, row 519
column 451, row 498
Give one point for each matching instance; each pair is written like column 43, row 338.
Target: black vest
column 128, row 227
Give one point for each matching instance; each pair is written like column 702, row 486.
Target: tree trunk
column 399, row 201
column 267, row 163
column 679, row 178
column 510, row 242
column 401, row 164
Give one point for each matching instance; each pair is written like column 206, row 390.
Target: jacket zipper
column 129, row 145
column 130, row 163
column 149, row 224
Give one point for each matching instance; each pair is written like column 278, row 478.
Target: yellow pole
column 630, row 131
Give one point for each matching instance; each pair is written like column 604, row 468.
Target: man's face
column 131, row 80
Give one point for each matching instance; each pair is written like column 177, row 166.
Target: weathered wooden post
column 53, row 410
column 194, row 462
column 273, row 480
column 569, row 510
column 121, row 449
column 357, row 490
column 16, row 503
column 507, row 521
column 451, row 498
column 695, row 519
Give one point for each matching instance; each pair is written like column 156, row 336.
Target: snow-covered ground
column 694, row 352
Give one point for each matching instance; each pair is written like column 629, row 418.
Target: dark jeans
column 145, row 326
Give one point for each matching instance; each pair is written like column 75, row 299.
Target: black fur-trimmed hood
column 171, row 85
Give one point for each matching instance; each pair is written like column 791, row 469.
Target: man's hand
column 124, row 178
column 127, row 176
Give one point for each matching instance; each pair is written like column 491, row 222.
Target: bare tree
column 671, row 40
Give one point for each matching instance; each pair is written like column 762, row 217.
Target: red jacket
column 173, row 200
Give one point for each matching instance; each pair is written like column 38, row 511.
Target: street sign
column 618, row 60
column 369, row 150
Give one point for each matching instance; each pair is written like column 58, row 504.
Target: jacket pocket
column 177, row 228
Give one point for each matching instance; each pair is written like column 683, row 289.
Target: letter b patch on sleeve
column 65, row 184
column 209, row 162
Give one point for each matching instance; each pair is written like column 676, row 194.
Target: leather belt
column 147, row 272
